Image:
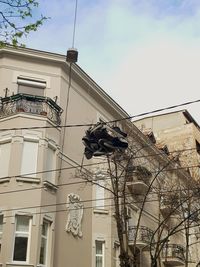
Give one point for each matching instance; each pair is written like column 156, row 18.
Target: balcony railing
column 144, row 236
column 173, row 254
column 39, row 105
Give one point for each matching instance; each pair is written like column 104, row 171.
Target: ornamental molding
column 75, row 215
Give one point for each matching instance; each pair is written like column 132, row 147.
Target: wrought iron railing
column 173, row 251
column 39, row 105
column 144, row 234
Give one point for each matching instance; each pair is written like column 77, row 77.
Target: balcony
column 144, row 236
column 165, row 208
column 138, row 179
column 30, row 104
column 169, row 205
column 173, row 255
column 137, row 187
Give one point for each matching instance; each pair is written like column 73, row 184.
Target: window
column 50, row 165
column 116, row 254
column 44, row 243
column 1, row 230
column 198, row 147
column 99, row 254
column 22, row 238
column 29, row 158
column 99, row 194
column 32, row 86
column 4, row 159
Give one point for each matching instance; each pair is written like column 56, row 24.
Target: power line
column 27, row 175
column 84, row 208
column 92, row 200
column 81, row 201
column 92, row 124
column 103, row 162
column 83, row 181
column 55, row 211
column 74, row 27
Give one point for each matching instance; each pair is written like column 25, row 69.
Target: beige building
column 50, row 215
column 179, row 134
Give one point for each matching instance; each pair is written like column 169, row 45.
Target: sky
column 144, row 53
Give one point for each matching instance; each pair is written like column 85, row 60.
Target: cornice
column 81, row 77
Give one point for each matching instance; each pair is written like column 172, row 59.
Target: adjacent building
column 179, row 134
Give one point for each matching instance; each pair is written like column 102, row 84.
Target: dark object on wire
column 101, row 140
column 72, row 55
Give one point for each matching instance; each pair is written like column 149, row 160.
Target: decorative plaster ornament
column 75, row 215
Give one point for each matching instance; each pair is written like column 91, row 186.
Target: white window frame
column 23, row 234
column 6, row 142
column 117, row 254
column 25, row 173
column 47, row 237
column 52, row 177
column 100, row 202
column 102, row 242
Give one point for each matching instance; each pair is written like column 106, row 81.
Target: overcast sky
column 144, row 53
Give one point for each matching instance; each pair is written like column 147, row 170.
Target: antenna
column 72, row 53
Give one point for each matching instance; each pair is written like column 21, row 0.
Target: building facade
column 51, row 214
column 180, row 134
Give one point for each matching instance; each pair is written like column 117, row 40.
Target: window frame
column 52, row 178
column 22, row 173
column 7, row 141
column 100, row 202
column 47, row 237
column 31, row 84
column 102, row 242
column 1, row 231
column 22, row 234
column 117, row 254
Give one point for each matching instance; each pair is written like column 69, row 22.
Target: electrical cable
column 68, row 91
column 81, row 201
column 92, row 124
column 55, row 211
column 81, row 182
column 101, row 163
column 65, row 120
column 74, row 27
column 75, row 167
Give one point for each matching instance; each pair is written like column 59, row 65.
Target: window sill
column 49, row 186
column 28, row 180
column 19, row 264
column 100, row 211
column 4, row 180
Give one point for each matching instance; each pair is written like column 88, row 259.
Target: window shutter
column 29, row 158
column 4, row 159
column 100, row 195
